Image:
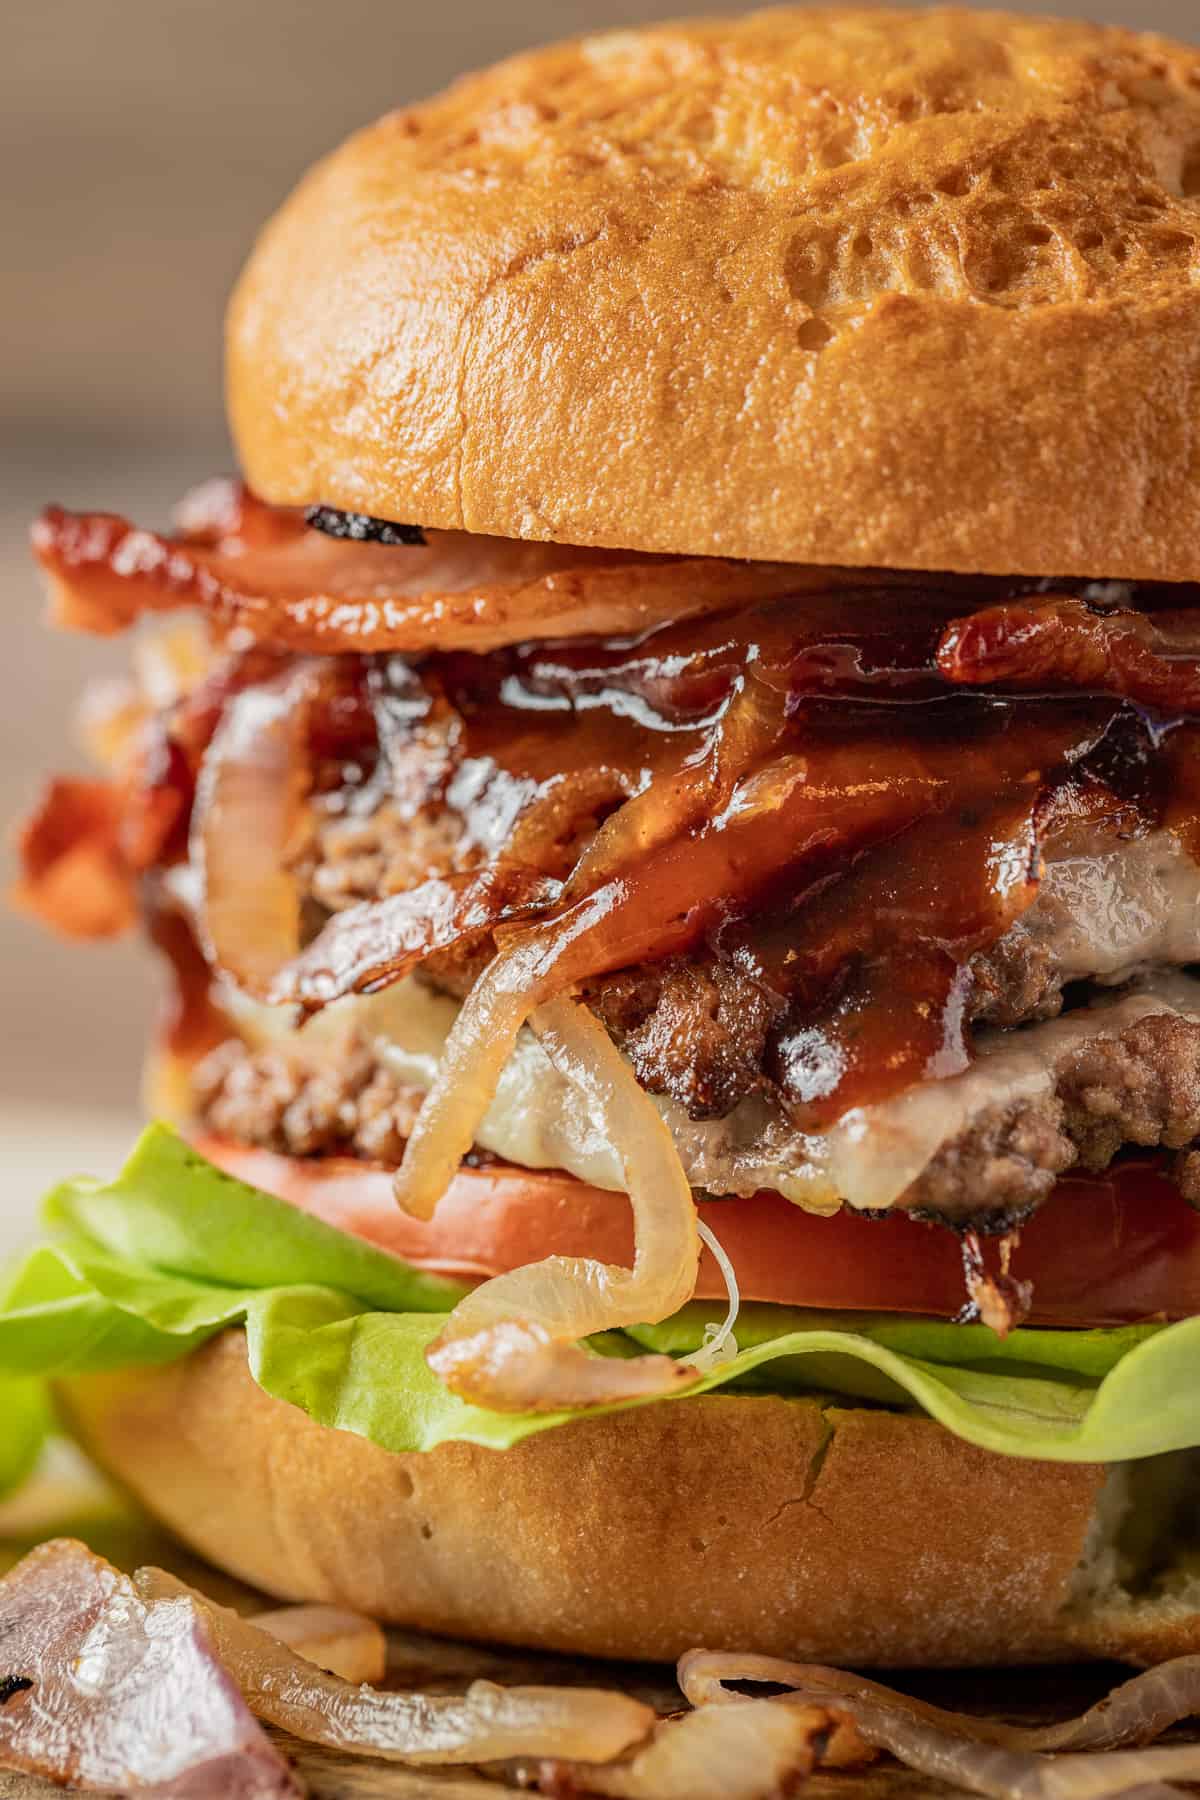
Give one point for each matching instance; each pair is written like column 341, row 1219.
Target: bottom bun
column 752, row 1523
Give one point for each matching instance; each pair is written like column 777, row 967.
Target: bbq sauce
column 812, row 800
column 799, row 787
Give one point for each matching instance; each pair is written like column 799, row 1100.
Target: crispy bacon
column 1063, row 641
column 74, row 873
column 263, row 569
column 85, row 845
column 849, row 815
column 796, row 784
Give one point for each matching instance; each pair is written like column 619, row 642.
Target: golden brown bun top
column 836, row 285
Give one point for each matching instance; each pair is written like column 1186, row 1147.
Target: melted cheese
column 1104, row 917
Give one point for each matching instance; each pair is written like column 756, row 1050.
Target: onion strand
column 986, row 1756
column 719, row 1344
column 344, row 1643
column 514, row 1343
column 760, row 1749
column 252, row 784
column 486, row 1724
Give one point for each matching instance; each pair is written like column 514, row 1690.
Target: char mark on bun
column 361, row 527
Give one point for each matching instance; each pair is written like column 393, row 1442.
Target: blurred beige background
column 142, row 141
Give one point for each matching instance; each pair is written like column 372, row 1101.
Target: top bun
column 912, row 289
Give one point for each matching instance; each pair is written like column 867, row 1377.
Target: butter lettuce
column 145, row 1268
column 24, row 1422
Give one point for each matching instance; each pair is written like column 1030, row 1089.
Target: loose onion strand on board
column 486, row 1724
column 1138, row 1711
column 344, row 1643
column 1006, row 1762
column 147, row 1683
column 514, row 1343
column 103, row 1688
column 718, row 1753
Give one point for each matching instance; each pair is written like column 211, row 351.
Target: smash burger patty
column 1140, row 1087
column 705, row 1031
column 929, row 868
column 673, row 834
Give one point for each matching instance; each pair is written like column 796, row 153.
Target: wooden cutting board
column 71, row 1503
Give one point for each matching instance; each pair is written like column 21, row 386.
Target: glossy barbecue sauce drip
column 816, row 789
column 805, row 797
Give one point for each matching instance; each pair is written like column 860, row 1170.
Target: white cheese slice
column 1108, row 917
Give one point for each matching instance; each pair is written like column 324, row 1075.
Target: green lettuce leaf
column 172, row 1209
column 145, row 1268
column 24, row 1424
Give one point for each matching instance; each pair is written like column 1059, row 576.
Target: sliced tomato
column 1104, row 1250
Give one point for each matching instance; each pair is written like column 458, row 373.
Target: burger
column 668, row 798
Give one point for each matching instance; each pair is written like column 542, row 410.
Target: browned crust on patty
column 1140, row 1087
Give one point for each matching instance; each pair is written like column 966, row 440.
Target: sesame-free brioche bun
column 783, row 1526
column 842, row 286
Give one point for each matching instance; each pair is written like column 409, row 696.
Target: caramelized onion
column 755, row 1751
column 345, row 1643
column 376, row 943
column 514, row 1343
column 719, row 1344
column 627, row 920
column 472, row 1058
column 986, row 1756
column 1137, row 1712
column 103, row 1688
column 486, row 1724
column 249, row 797
column 659, row 909
column 262, row 569
column 749, row 724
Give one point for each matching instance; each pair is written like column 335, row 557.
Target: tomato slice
column 1104, row 1250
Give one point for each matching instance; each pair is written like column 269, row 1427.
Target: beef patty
column 1140, row 1086
column 701, row 1029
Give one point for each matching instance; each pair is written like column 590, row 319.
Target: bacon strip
column 1048, row 644
column 261, row 568
column 74, row 875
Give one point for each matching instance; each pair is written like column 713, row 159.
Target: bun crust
column 757, row 1524
column 844, row 286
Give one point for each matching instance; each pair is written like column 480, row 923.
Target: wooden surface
column 68, row 1500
